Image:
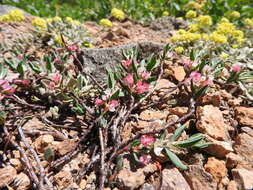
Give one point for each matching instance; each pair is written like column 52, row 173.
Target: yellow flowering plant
column 118, row 14
column 13, row 16
column 105, row 23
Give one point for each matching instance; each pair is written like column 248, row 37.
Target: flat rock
column 244, row 147
column 217, row 148
column 97, row 60
column 244, row 116
column 4, row 9
column 211, row 122
column 22, row 182
column 217, row 168
column 198, row 178
column 7, row 175
column 172, row 179
column 243, row 178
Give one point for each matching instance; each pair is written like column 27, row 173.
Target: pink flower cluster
column 145, row 159
column 111, row 105
column 5, row 88
column 236, row 68
column 140, row 87
column 24, row 82
column 56, row 78
column 127, row 63
column 199, row 80
column 147, row 140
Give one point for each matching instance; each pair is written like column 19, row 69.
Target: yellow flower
column 205, row 36
column 191, row 14
column 234, row 46
column 49, row 20
column 225, row 28
column 88, row 44
column 16, row 15
column 118, row 14
column 218, row 38
column 238, row 34
column 181, row 31
column 194, row 5
column 224, row 19
column 69, row 19
column 235, row 14
column 58, row 40
column 76, row 22
column 179, row 49
column 240, row 40
column 175, row 38
column 57, row 19
column 180, row 18
column 194, row 28
column 40, row 23
column 204, row 20
column 165, row 13
column 224, row 55
column 105, row 22
column 248, row 22
column 5, row 18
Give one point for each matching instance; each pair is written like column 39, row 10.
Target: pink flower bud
column 236, row 68
column 112, row 105
column 56, row 61
column 147, row 140
column 129, row 80
column 145, row 75
column 52, row 85
column 72, row 47
column 5, row 87
column 127, row 63
column 188, row 63
column 207, row 69
column 56, row 78
column 24, row 82
column 99, row 102
column 142, row 87
column 195, row 77
column 19, row 57
column 145, row 159
column 207, row 82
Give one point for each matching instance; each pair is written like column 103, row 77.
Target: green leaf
column 136, row 143
column 11, row 64
column 21, row 67
column 190, row 141
column 178, row 132
column 175, row 160
column 110, row 79
column 34, row 67
column 200, row 144
column 3, row 71
column 49, row 154
column 49, row 64
column 201, row 92
column 152, row 63
column 192, row 55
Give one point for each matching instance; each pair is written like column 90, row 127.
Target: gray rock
column 4, row 9
column 96, row 61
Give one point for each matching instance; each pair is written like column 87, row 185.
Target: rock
column 217, row 168
column 42, row 142
column 198, row 178
column 247, row 130
column 211, row 122
column 34, row 123
column 218, row 149
column 232, row 160
column 178, row 73
column 243, row 178
column 5, row 9
column 97, row 60
column 244, row 115
column 172, row 179
column 244, row 147
column 16, row 163
column 167, row 23
column 22, row 182
column 65, row 146
column 129, row 180
column 179, row 111
column 63, row 179
column 147, row 186
column 150, row 119
column 122, row 32
column 7, row 175
column 232, row 185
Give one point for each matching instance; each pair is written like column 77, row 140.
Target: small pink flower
column 4, row 84
column 188, row 63
column 195, row 76
column 19, row 57
column 145, row 159
column 129, row 80
column 127, row 63
column 207, row 82
column 56, row 61
column 236, row 68
column 142, row 87
column 207, row 69
column 145, row 75
column 147, row 140
column 21, row 81
column 52, row 85
column 99, row 102
column 112, row 105
column 56, row 78
column 6, row 88
column 73, row 47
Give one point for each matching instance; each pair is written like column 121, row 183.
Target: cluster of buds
column 55, row 80
column 5, row 89
column 107, row 106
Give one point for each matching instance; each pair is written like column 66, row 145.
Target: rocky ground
column 225, row 119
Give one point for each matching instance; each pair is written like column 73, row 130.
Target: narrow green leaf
column 178, row 132
column 34, row 67
column 3, row 71
column 152, row 63
column 21, row 67
column 110, row 79
column 190, row 141
column 49, row 64
column 175, row 160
